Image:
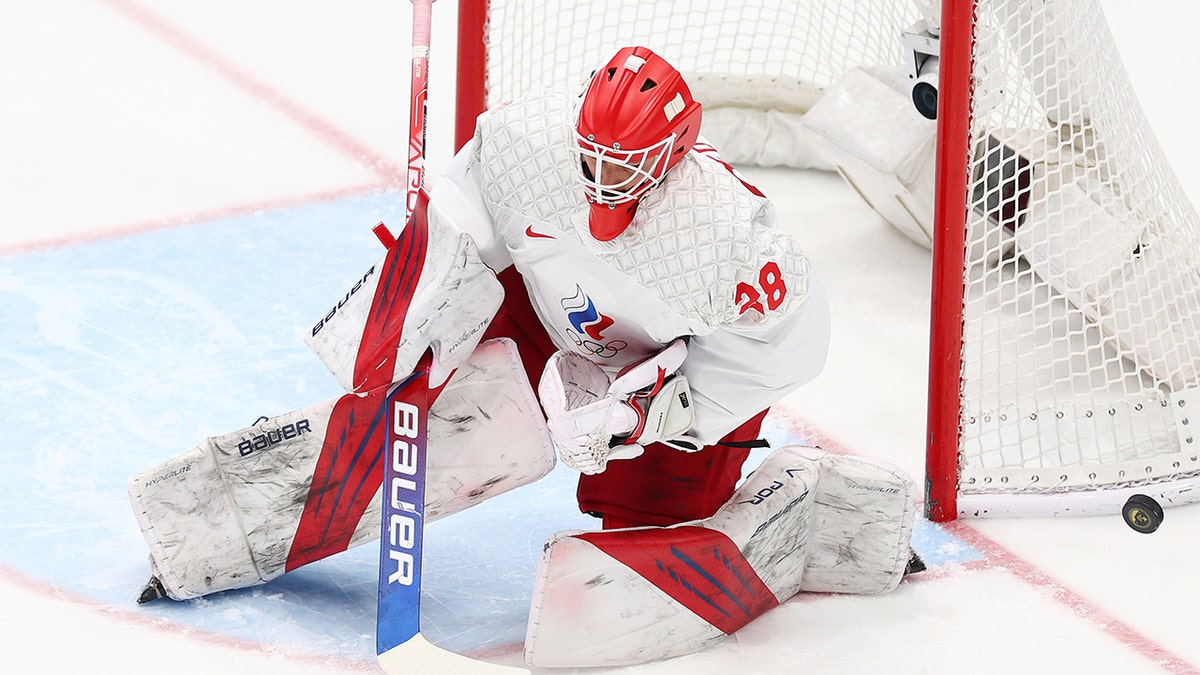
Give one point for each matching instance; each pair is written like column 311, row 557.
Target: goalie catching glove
column 593, row 420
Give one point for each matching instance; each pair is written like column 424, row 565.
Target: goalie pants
column 663, row 486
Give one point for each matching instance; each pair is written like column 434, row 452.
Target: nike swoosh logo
column 536, row 235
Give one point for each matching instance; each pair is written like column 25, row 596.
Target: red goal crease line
column 53, row 593
column 997, row 556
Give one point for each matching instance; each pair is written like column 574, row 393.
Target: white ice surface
column 164, row 129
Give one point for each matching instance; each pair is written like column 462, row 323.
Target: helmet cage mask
column 640, row 170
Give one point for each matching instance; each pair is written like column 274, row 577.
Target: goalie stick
column 399, row 644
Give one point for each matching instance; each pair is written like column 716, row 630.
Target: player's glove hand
column 582, row 416
column 593, row 422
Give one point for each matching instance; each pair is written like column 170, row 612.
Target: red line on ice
column 179, row 221
column 244, row 80
column 391, row 175
column 998, row 557
column 147, row 620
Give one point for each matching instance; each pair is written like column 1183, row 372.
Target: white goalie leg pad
column 622, row 597
column 224, row 514
column 487, row 434
column 862, row 525
column 199, row 511
column 448, row 307
column 770, row 517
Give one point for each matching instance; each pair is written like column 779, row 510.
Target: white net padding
column 1081, row 312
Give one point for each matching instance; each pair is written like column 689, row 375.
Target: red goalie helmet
column 636, row 121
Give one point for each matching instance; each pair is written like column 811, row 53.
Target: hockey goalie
column 596, row 246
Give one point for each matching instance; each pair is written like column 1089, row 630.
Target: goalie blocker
column 803, row 521
column 430, row 291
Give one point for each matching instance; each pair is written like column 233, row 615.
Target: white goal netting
column 757, row 54
column 1082, row 304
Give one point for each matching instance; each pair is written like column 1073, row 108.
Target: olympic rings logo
column 593, row 348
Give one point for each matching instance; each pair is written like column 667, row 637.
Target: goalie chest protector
column 675, row 271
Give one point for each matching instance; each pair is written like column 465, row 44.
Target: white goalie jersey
column 702, row 259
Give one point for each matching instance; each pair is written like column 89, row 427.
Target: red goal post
column 1065, row 317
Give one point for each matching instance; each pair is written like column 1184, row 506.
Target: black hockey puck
column 1142, row 513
